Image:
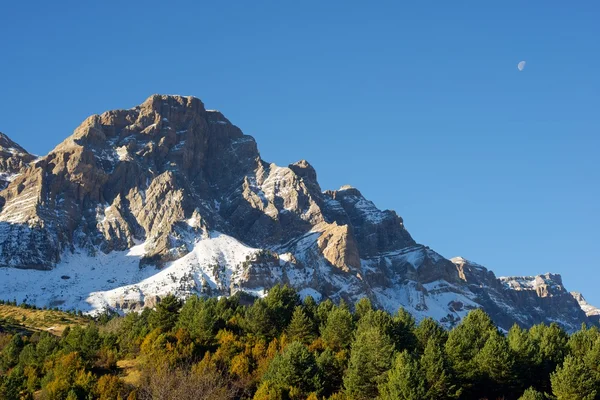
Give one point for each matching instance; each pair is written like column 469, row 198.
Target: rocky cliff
column 168, row 197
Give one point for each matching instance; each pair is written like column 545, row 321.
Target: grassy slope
column 21, row 319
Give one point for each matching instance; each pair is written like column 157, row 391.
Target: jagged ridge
column 171, row 185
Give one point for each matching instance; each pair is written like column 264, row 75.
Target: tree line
column 281, row 347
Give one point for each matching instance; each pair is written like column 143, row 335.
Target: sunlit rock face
column 168, row 197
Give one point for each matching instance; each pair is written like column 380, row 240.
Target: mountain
column 592, row 312
column 168, row 197
column 13, row 159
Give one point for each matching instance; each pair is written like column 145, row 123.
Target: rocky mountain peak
column 13, row 159
column 168, row 197
column 9, row 146
column 592, row 312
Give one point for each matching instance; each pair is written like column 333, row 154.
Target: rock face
column 171, row 197
column 592, row 312
column 13, row 159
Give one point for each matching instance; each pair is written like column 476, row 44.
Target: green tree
column 441, row 384
column 310, row 308
column 429, row 329
column 301, row 327
column 528, row 357
column 331, row 370
column 165, row 315
column 282, row 300
column 403, row 331
column 574, row 380
column 379, row 319
column 552, row 342
column 296, row 367
column 323, row 310
column 464, row 342
column 532, row 394
column 581, row 342
column 337, row 331
column 258, row 320
column 362, row 307
column 199, row 316
column 495, row 363
column 10, row 353
column 404, row 381
column 370, row 357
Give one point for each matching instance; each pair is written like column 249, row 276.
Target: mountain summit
column 168, row 197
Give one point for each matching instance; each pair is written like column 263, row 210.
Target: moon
column 521, row 66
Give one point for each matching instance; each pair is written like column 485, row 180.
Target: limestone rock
column 184, row 193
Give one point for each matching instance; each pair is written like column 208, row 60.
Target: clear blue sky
column 419, row 105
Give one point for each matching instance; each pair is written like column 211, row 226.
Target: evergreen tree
column 464, row 342
column 199, row 317
column 362, row 307
column 429, row 329
column 404, row 381
column 331, row 370
column 441, row 384
column 581, row 342
column 10, row 353
column 301, row 328
column 379, row 319
column 495, row 362
column 532, row 394
column 296, row 367
column 258, row 320
column 337, row 331
column 574, row 380
column 310, row 308
column 403, row 330
column 552, row 342
column 323, row 310
column 281, row 301
column 527, row 356
column 164, row 317
column 370, row 358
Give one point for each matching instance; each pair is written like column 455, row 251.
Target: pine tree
column 532, row 394
column 441, row 383
column 199, row 317
column 403, row 331
column 464, row 343
column 331, row 370
column 362, row 307
column 370, row 358
column 295, row 367
column 166, row 313
column 581, row 342
column 527, row 356
column 574, row 380
column 495, row 362
column 552, row 343
column 404, row 381
column 337, row 331
column 379, row 319
column 323, row 310
column 310, row 308
column 282, row 300
column 258, row 320
column 301, row 328
column 430, row 329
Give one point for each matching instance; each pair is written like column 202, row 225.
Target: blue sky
column 420, row 105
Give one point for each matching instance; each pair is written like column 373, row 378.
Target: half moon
column 521, row 66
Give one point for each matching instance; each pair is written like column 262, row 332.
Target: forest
column 281, row 347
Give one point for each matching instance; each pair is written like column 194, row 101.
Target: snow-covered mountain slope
column 168, row 197
column 592, row 312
